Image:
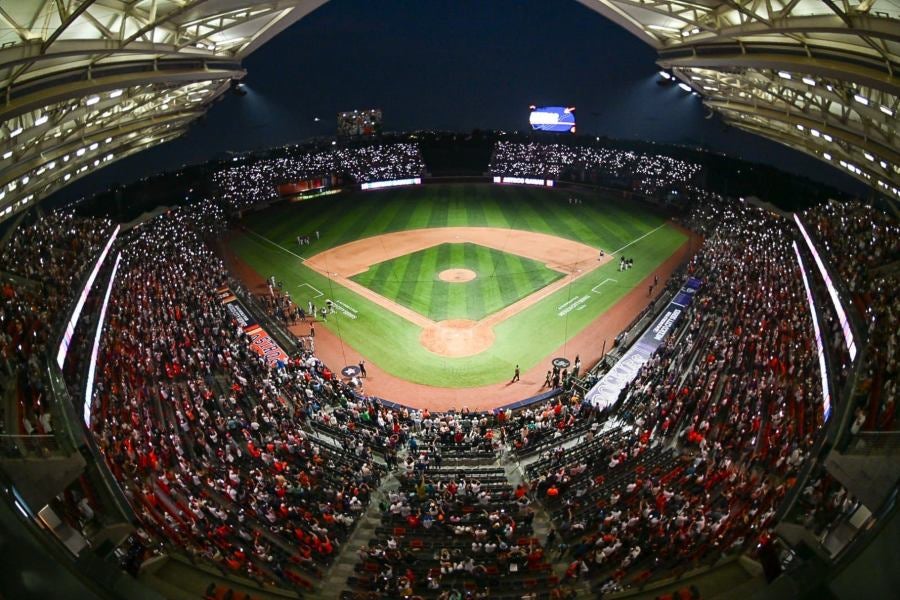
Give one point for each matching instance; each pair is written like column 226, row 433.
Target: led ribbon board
column 73, row 320
column 835, row 300
column 377, row 185
column 89, row 387
column 820, row 350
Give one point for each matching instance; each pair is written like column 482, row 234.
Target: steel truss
column 819, row 76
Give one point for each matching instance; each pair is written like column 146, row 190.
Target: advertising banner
column 606, row 391
column 260, row 341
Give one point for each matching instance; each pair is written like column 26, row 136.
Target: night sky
column 453, row 65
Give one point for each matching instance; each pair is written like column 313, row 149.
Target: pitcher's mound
column 457, row 276
column 458, row 337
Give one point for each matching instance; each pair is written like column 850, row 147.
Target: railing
column 29, row 446
column 874, row 442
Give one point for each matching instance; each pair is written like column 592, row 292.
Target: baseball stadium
column 454, row 343
column 444, row 289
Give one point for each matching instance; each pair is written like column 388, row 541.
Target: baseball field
column 453, row 285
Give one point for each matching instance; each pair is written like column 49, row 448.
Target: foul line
column 638, row 239
column 276, row 245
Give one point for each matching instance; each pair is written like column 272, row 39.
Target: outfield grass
column 501, row 279
column 526, row 338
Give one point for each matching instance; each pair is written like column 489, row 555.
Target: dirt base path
column 588, row 344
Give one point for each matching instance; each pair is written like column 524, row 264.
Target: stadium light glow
column 115, row 93
column 92, row 100
column 886, row 110
column 41, row 120
column 15, row 132
column 784, row 75
column 665, row 75
column 809, row 81
column 684, row 86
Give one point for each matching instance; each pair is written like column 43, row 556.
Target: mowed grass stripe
column 439, row 210
column 396, row 276
column 456, row 292
column 382, row 272
column 538, row 278
column 420, row 214
column 457, row 211
column 362, row 219
column 422, row 292
column 440, row 296
column 492, row 209
column 475, row 216
column 508, row 204
column 601, row 225
column 510, row 286
column 380, row 223
column 548, row 207
column 475, row 302
column 407, row 279
column 403, row 214
column 493, row 297
column 534, row 214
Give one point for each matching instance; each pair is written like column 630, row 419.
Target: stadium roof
column 88, row 82
column 819, row 76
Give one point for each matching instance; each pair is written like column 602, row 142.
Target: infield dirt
column 456, row 338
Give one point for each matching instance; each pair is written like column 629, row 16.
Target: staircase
column 342, row 568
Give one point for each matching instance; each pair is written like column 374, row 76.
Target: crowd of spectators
column 265, row 469
column 255, row 180
column 42, row 264
column 206, row 438
column 446, row 532
column 734, row 389
column 863, row 244
column 649, row 174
